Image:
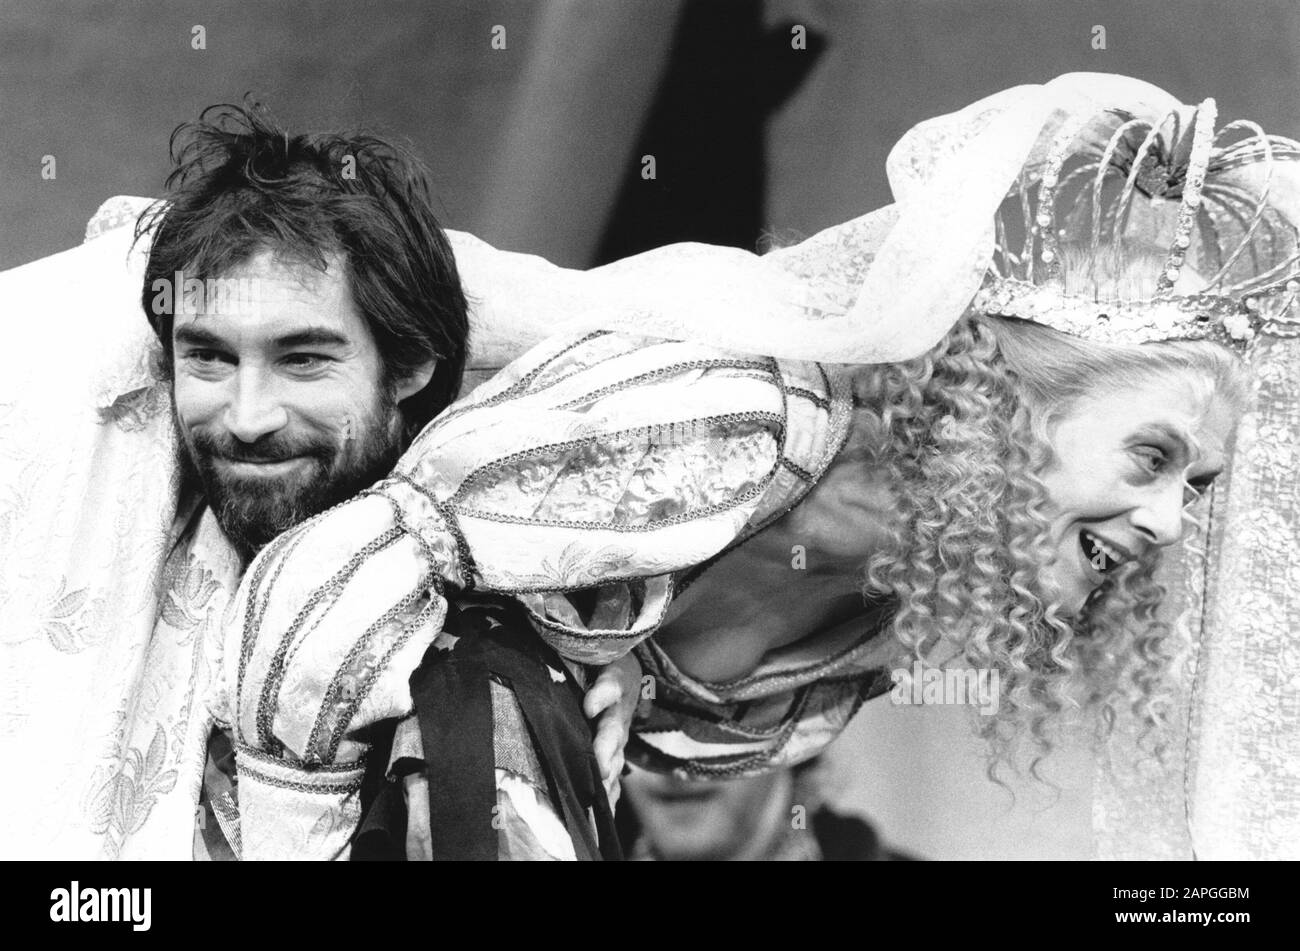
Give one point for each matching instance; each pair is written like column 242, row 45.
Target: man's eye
column 305, row 361
column 205, row 357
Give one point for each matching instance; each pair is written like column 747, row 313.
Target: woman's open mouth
column 1101, row 555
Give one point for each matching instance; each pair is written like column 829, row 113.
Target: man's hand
column 613, row 698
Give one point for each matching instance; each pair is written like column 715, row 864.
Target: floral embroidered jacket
column 606, row 464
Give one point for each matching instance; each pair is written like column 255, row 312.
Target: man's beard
column 252, row 511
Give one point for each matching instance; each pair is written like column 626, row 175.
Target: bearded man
column 338, row 328
column 309, row 321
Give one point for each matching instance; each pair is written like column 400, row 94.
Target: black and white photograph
column 651, row 430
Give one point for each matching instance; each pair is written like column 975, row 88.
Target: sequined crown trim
column 1085, row 194
column 1224, row 320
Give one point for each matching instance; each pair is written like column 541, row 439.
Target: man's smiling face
column 279, row 398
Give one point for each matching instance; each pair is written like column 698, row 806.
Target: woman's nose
column 1160, row 516
column 254, row 409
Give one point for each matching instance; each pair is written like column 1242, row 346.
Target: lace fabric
column 1230, row 787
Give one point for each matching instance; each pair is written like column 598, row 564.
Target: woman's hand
column 613, row 698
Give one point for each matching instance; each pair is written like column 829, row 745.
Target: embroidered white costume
column 607, row 461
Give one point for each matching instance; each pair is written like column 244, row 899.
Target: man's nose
column 254, row 410
column 1160, row 517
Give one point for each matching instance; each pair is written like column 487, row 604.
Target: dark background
column 537, row 147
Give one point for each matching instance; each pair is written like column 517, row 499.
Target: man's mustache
column 265, row 450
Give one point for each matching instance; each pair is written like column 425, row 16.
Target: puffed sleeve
column 603, row 462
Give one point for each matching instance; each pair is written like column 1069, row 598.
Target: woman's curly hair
column 962, row 435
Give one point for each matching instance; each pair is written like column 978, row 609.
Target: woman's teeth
column 1101, row 556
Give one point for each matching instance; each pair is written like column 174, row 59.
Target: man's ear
column 417, row 380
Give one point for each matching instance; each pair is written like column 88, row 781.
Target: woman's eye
column 1153, row 458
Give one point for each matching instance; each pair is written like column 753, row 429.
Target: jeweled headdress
column 993, row 199
column 1196, row 201
column 987, row 199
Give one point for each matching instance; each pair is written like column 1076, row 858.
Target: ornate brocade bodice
column 587, row 480
column 798, row 697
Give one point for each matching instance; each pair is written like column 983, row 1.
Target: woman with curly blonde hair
column 980, row 441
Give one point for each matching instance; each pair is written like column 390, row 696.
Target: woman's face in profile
column 1127, row 463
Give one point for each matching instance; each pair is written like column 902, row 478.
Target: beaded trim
column 253, row 611
column 468, row 567
column 349, row 688
column 1202, row 141
column 651, row 431
column 658, row 372
column 244, row 753
column 554, row 588
column 819, row 401
column 1232, row 323
column 343, row 717
column 798, row 470
column 526, row 380
column 589, row 634
column 266, row 705
column 1030, row 286
column 329, row 789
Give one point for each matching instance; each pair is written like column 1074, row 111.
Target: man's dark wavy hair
column 241, row 184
